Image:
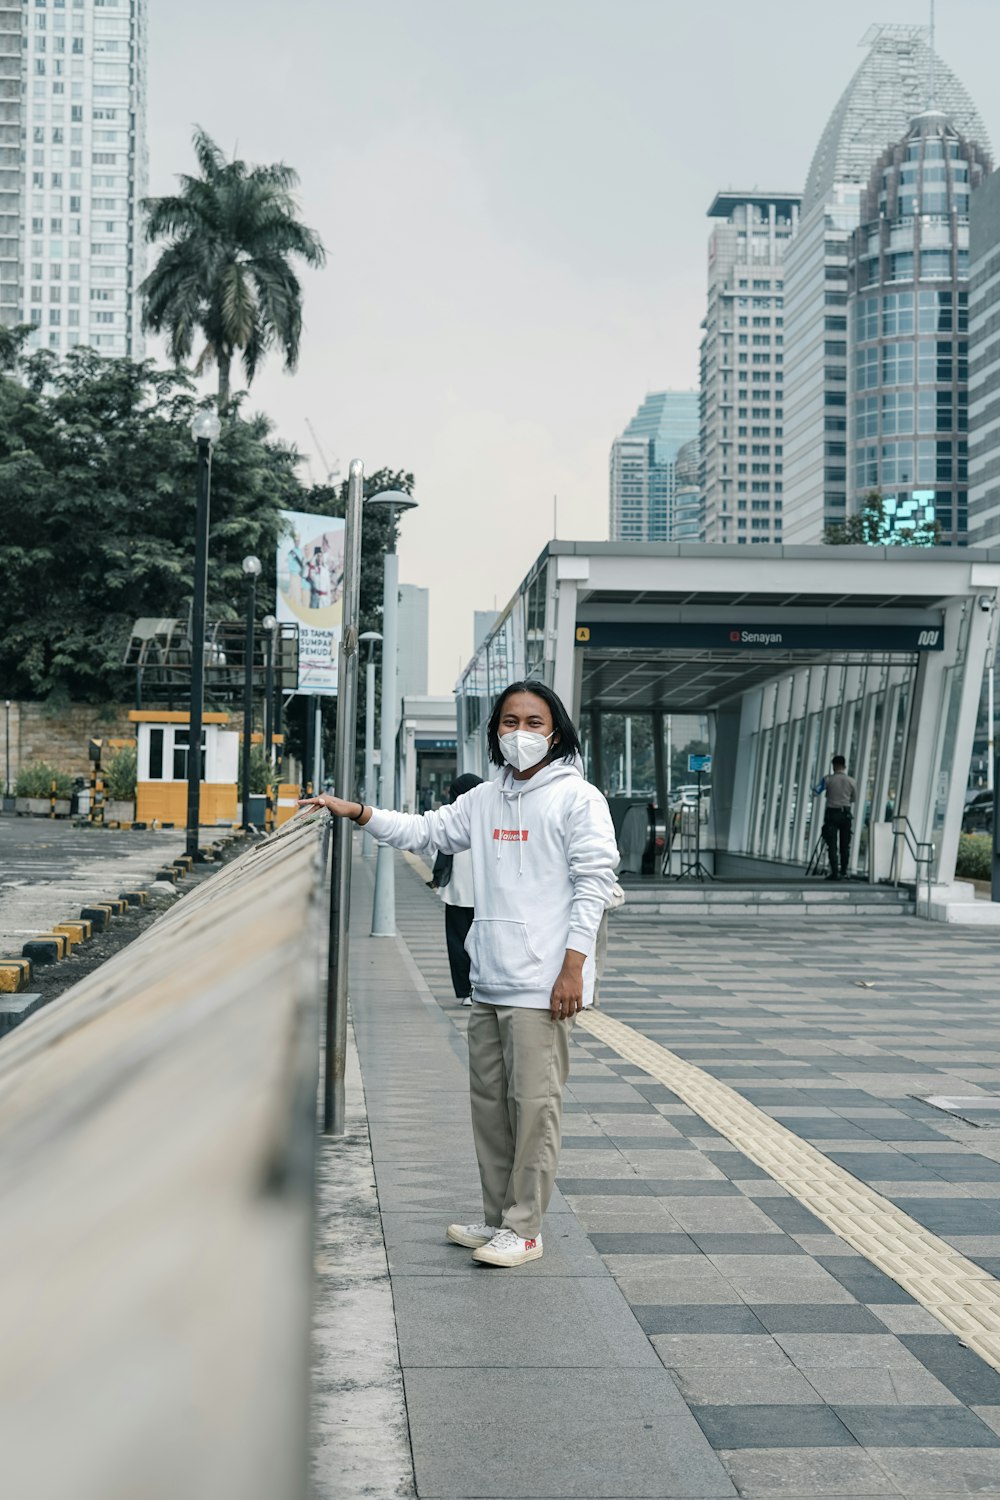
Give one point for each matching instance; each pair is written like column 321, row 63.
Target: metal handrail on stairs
column 923, row 857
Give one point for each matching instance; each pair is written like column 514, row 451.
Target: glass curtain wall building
column 81, row 172
column 984, row 365
column 742, row 367
column 895, row 82
column 687, row 517
column 908, row 275
column 642, row 478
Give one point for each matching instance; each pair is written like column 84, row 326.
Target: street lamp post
column 371, row 637
column 6, row 740
column 251, row 572
column 270, row 625
column 205, row 430
column 384, row 909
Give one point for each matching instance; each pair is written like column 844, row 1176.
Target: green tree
column 232, row 234
column 97, row 502
column 871, row 527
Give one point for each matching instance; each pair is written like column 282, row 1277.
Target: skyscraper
column 896, row 82
column 742, row 367
column 686, row 520
column 72, row 255
column 642, row 466
column 908, row 277
column 984, row 364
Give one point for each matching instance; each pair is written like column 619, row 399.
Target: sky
column 513, row 199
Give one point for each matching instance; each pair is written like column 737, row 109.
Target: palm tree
column 226, row 270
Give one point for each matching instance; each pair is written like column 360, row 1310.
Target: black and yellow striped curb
column 99, row 915
column 15, row 975
column 76, row 932
column 133, row 898
column 47, row 948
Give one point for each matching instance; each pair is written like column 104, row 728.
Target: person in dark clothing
column 841, row 794
column 453, row 878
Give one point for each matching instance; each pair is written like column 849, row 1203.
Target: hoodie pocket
column 502, row 956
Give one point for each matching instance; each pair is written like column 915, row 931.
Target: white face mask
column 524, row 748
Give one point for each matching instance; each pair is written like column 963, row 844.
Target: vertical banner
column 310, row 594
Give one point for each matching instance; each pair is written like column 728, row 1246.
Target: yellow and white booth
column 162, row 767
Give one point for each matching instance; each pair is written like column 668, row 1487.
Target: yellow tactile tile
column 960, row 1294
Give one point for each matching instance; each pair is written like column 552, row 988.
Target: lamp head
column 269, row 622
column 369, row 635
column 252, row 566
column 205, row 425
column 394, row 499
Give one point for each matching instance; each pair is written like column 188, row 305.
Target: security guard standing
column 841, row 794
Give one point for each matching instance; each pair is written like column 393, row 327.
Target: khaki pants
column 518, row 1065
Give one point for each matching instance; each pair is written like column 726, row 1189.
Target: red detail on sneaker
column 530, row 1244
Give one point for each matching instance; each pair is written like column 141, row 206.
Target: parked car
column 978, row 815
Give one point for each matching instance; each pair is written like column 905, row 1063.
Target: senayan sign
column 701, row 635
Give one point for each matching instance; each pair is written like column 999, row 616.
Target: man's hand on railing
column 356, row 811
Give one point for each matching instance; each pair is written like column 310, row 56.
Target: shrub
column 260, row 772
column 119, row 778
column 36, row 778
column 975, row 857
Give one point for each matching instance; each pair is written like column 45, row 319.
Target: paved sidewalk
column 693, row 1329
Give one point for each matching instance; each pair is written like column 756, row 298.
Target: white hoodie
column 543, row 860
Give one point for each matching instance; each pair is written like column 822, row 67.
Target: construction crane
column 332, row 470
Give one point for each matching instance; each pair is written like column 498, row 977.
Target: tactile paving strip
column 964, row 1297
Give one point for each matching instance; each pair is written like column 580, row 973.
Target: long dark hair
column 568, row 745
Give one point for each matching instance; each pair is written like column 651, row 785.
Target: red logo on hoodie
column 506, row 834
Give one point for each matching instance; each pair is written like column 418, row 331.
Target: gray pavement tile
column 720, row 1350
column 745, row 1244
column 963, row 1372
column 921, row 1473
column 863, row 1280
column 692, row 1283
column 794, row 1217
column 623, row 1434
column 990, row 1415
column 572, row 1322
column 697, row 1318
column 616, row 1187
column 953, row 1215
column 816, row 1317
column 681, row 1166
column 878, row 1387
column 593, row 1221
column 807, row 1474
column 902, row 1317
column 883, row 1165
column 955, row 1167
column 777, row 1426
column 718, row 1187
column 846, row 1351
column 771, row 1385
column 643, row 1244
column 723, row 1215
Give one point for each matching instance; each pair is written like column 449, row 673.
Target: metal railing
column 157, row 1137
column 920, row 851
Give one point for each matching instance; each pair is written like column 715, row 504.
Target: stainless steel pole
column 369, row 842
column 384, row 909
column 340, row 881
column 248, row 698
column 194, row 768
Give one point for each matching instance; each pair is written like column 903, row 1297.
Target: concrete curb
column 15, row 973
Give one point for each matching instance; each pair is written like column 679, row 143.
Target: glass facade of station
column 772, row 666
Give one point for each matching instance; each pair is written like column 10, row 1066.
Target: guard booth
column 162, row 767
column 771, row 660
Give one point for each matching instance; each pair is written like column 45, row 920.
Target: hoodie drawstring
column 520, row 832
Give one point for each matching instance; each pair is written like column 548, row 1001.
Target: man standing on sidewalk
column 841, row 794
column 543, row 859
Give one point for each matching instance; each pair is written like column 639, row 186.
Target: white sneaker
column 508, row 1249
column 471, row 1235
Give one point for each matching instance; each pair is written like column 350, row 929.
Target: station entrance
column 769, row 660
column 770, row 725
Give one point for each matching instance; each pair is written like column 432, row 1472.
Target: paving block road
column 694, row 1329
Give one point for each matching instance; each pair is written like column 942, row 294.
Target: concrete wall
column 36, row 733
